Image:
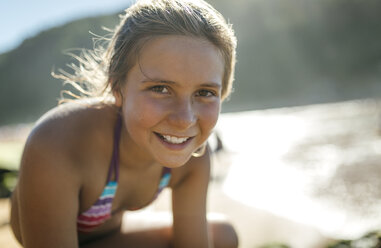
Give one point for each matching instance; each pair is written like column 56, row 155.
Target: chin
column 174, row 163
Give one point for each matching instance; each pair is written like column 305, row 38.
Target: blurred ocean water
column 318, row 165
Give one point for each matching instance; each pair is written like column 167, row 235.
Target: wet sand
column 7, row 239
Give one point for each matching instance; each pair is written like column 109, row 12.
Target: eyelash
column 210, row 92
column 160, row 88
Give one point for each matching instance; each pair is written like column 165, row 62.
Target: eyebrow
column 207, row 84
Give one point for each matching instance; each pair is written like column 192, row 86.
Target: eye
column 206, row 93
column 159, row 89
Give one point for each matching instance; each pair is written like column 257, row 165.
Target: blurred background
column 302, row 168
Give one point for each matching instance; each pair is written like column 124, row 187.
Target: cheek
column 209, row 115
column 143, row 112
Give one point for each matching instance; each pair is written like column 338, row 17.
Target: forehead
column 181, row 58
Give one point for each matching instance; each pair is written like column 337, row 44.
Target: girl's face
column 171, row 98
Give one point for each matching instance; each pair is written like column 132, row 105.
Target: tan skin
column 174, row 90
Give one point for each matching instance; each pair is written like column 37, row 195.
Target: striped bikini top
column 101, row 210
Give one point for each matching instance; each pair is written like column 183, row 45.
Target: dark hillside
column 289, row 53
column 27, row 88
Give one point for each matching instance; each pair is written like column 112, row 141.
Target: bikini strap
column 165, row 170
column 165, row 178
column 114, row 164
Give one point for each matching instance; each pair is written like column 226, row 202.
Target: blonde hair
column 104, row 69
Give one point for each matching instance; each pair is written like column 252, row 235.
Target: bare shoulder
column 84, row 115
column 68, row 132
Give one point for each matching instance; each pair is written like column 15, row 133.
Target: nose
column 183, row 114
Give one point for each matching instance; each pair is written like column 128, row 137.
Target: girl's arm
column 47, row 195
column 189, row 205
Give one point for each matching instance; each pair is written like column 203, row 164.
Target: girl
column 160, row 84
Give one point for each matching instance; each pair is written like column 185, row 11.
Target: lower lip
column 171, row 146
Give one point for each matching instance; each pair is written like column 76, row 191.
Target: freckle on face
column 188, row 63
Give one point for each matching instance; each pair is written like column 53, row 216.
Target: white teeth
column 174, row 140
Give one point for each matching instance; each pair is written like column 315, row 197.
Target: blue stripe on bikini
column 165, row 180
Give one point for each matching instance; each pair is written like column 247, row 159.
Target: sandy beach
column 254, row 227
column 301, row 176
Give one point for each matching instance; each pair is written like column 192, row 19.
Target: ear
column 118, row 97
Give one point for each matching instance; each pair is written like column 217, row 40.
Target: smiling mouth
column 172, row 139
